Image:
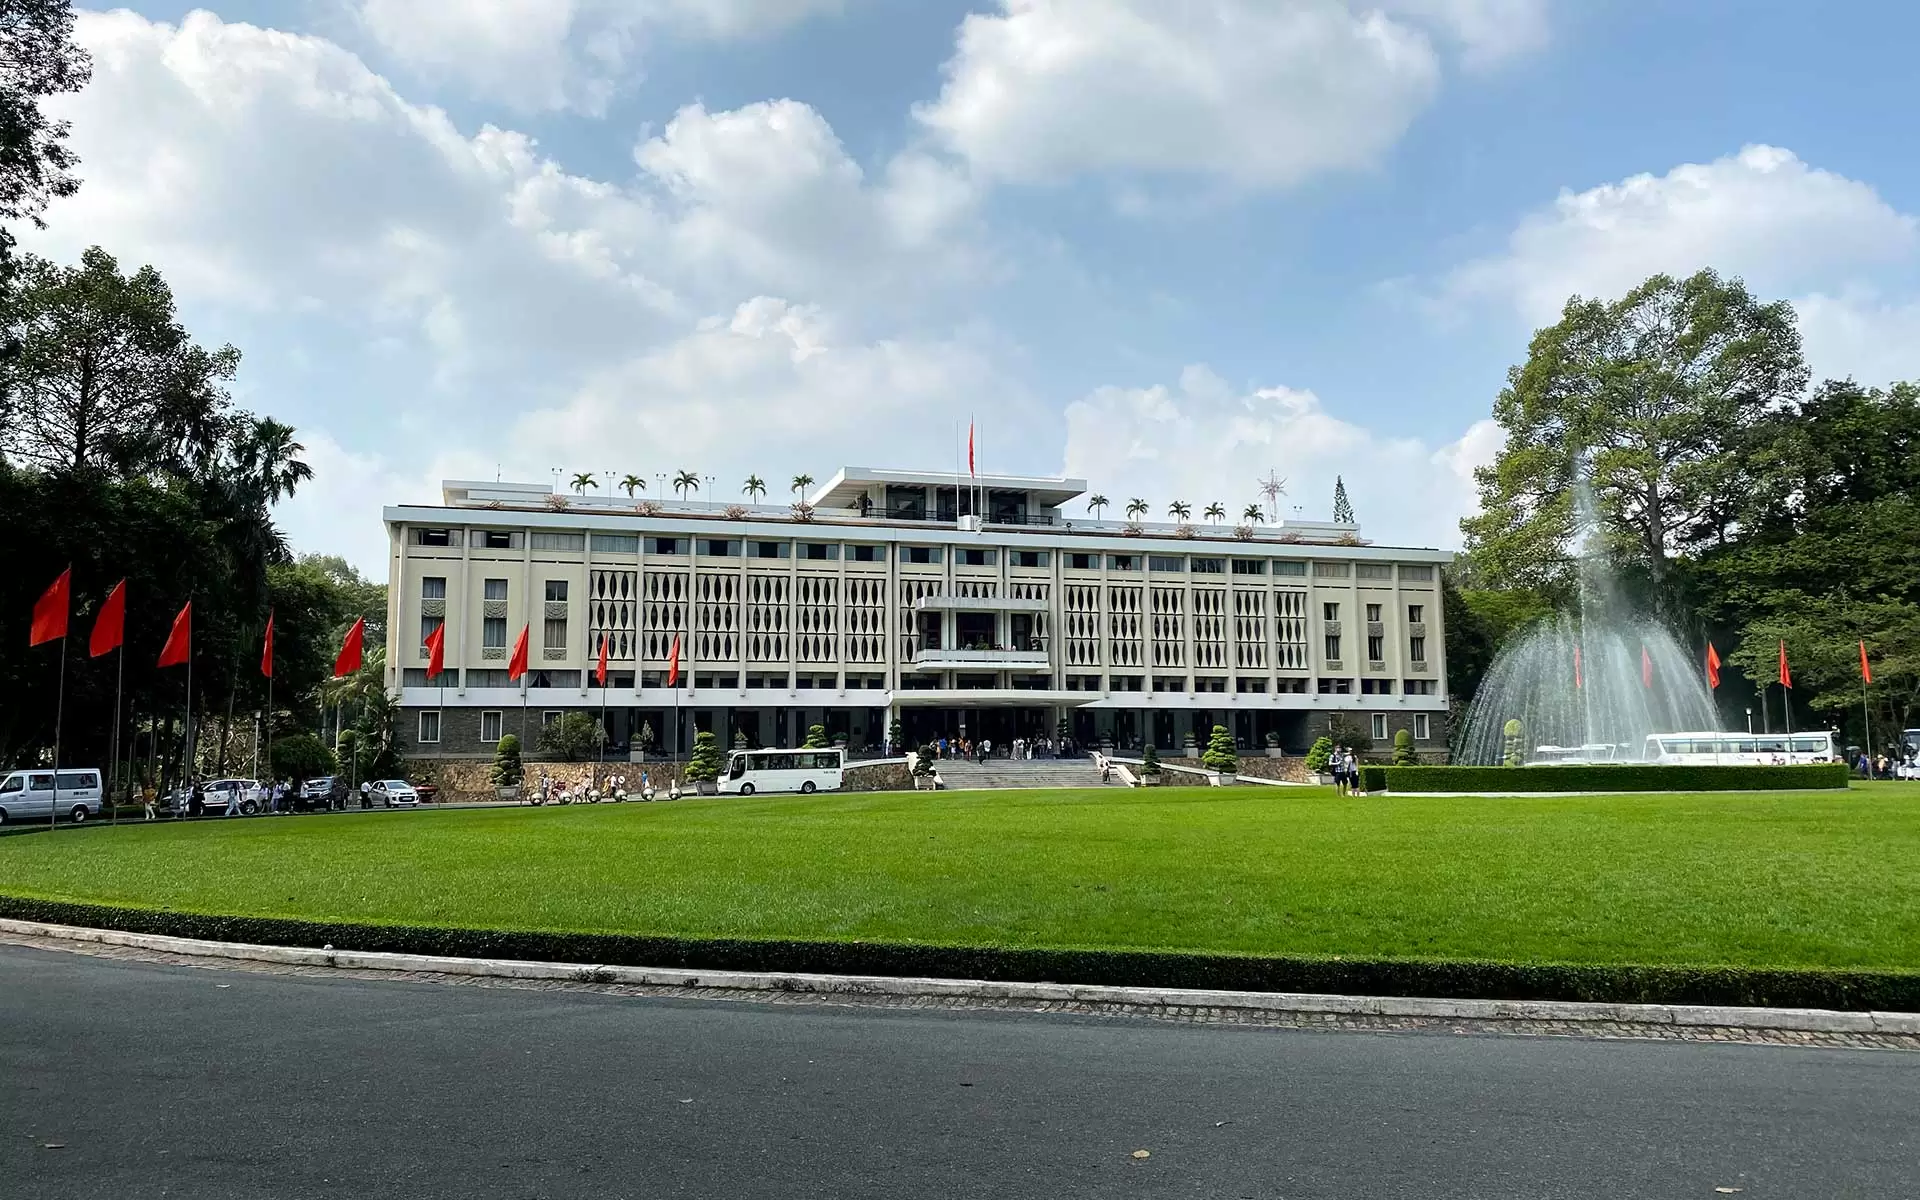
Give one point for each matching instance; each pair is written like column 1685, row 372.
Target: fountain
column 1595, row 682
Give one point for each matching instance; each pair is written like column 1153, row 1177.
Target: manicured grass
column 1758, row 880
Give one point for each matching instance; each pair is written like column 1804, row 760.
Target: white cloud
column 1486, row 30
column 1204, row 441
column 556, row 54
column 1862, row 334
column 1262, row 92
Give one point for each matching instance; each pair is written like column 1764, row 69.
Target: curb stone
column 1802, row 1020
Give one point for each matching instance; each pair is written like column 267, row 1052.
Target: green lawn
column 1783, row 880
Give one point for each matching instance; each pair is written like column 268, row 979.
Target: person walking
column 196, row 801
column 366, row 794
column 147, row 797
column 233, row 802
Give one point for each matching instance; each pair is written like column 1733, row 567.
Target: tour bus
column 809, row 771
column 1592, row 752
column 1731, row 749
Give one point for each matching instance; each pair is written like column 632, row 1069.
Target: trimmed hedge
column 1857, row 991
column 1621, row 777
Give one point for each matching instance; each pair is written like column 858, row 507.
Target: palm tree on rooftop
column 1136, row 508
column 801, row 483
column 582, row 480
column 1216, row 512
column 1096, row 504
column 1180, row 509
column 686, row 481
column 631, row 484
column 756, row 488
column 1253, row 515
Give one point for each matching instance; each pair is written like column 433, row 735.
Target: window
column 429, row 728
column 973, row 556
column 572, row 542
column 1416, row 687
column 1379, row 731
column 548, row 718
column 1290, row 687
column 1123, row 562
column 1417, row 649
column 615, row 543
column 867, row 553
column 720, row 547
column 1417, row 574
column 1249, row 566
column 1336, row 687
column 1289, row 568
column 921, row 555
column 1333, row 647
column 554, row 633
column 1376, row 648
column 1249, row 685
column 767, row 681
column 818, row 551
column 660, row 545
column 433, row 537
column 556, row 591
column 1330, row 612
column 490, row 726
column 1083, row 562
column 433, row 587
column 717, row 679
column 768, row 549
column 1422, row 727
column 496, row 539
column 493, row 633
column 1125, row 683
column 1208, row 566
column 1166, row 563
column 1209, row 683
column 1373, row 613
column 1083, row 683
column 1169, row 683
column 493, row 589
column 491, row 677
column 1027, row 558
column 1372, row 571
column 1327, row 570
column 1416, row 614
column 428, row 625
column 1376, row 687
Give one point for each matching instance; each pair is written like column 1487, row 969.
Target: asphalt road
column 171, row 1081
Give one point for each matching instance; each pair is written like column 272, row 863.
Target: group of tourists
column 1021, row 748
column 614, row 788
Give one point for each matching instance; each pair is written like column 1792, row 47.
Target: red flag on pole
column 970, row 469
column 349, row 660
column 437, row 650
column 50, row 611
column 1786, row 676
column 1646, row 668
column 673, row 663
column 1866, row 672
column 179, row 647
column 1576, row 667
column 517, row 665
column 600, row 671
column 1713, row 666
column 110, row 623
column 266, row 649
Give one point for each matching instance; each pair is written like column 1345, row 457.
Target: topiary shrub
column 508, row 771
column 1320, row 756
column 1516, row 743
column 923, row 761
column 704, row 766
column 1404, row 754
column 1150, row 760
column 816, row 738
column 896, row 737
column 1221, row 754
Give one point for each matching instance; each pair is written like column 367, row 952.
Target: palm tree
column 1180, row 509
column 1136, row 508
column 582, row 480
column 801, row 483
column 1216, row 512
column 268, row 460
column 1096, row 504
column 632, row 483
column 756, row 488
column 686, row 481
column 1253, row 515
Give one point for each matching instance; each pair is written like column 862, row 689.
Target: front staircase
column 963, row 776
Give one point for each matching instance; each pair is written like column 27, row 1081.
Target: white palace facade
column 990, row 607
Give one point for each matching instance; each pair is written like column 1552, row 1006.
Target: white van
column 29, row 795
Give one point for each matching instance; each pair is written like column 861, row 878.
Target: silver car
column 37, row 795
column 395, row 793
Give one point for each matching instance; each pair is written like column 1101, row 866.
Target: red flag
column 349, row 660
column 1713, row 666
column 1576, row 667
column 437, row 650
column 517, row 665
column 266, row 649
column 970, row 470
column 1786, row 676
column 600, row 672
column 1866, row 672
column 673, row 663
column 50, row 611
column 179, row 647
column 110, row 623
column 1646, row 668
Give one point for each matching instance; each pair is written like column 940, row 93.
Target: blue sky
column 1165, row 246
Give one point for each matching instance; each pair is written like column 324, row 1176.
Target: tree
column 705, row 765
column 1653, row 398
column 573, row 737
column 1150, row 760
column 360, row 599
column 1097, row 504
column 1348, row 733
column 1320, row 756
column 801, row 483
column 1342, row 507
column 756, row 488
column 1252, row 515
column 923, row 764
column 684, row 482
column 1403, row 751
column 38, row 58
column 1216, row 512
column 896, row 736
column 582, row 480
column 631, row 484
column 816, row 738
column 1180, row 510
column 1221, row 754
column 1136, row 508
column 301, row 756
column 508, row 770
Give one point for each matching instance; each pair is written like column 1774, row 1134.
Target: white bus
column 1590, row 753
column 809, row 771
column 1740, row 749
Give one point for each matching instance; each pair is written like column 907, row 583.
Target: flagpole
column 59, row 707
column 1866, row 716
column 119, row 684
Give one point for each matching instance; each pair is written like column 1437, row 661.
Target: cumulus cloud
column 1487, row 31
column 1262, row 92
column 555, row 54
column 1204, row 440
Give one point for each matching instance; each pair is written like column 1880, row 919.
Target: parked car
column 322, row 791
column 36, row 794
column 428, row 792
column 395, row 793
column 217, row 792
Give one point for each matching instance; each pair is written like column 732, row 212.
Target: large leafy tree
column 38, row 58
column 1654, row 397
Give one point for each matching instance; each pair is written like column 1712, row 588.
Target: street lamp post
column 1749, row 718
